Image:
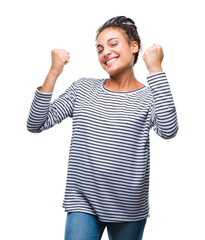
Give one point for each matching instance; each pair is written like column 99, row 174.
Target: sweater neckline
column 119, row 93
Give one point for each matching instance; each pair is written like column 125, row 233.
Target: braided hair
column 129, row 27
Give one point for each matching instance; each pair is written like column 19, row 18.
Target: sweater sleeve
column 44, row 114
column 163, row 114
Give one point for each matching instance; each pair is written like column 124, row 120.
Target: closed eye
column 112, row 45
column 100, row 51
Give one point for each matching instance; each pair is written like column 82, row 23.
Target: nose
column 106, row 52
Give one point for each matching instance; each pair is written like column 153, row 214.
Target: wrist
column 53, row 73
column 155, row 69
column 49, row 82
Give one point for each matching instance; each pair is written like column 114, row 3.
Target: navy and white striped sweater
column 109, row 158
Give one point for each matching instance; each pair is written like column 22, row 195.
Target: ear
column 134, row 46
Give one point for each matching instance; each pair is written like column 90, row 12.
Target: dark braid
column 126, row 24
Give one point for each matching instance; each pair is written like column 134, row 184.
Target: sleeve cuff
column 158, row 81
column 155, row 74
column 43, row 95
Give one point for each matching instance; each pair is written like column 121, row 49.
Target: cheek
column 101, row 61
column 128, row 57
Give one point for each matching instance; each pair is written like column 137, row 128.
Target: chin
column 113, row 71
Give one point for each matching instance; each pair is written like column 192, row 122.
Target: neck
column 123, row 81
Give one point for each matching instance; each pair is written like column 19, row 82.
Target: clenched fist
column 60, row 57
column 153, row 57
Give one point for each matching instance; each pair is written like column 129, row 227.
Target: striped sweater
column 109, row 158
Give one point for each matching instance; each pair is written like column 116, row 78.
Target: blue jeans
column 84, row 226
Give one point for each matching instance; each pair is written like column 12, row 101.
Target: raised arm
column 163, row 114
column 44, row 114
column 59, row 58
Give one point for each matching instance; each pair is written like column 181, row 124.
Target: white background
column 33, row 167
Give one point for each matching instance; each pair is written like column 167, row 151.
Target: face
column 115, row 54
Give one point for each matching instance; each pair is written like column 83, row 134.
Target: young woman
column 109, row 161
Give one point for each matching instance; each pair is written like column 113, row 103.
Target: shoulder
column 90, row 80
column 146, row 94
column 87, row 82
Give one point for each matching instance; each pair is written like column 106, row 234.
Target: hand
column 153, row 57
column 60, row 57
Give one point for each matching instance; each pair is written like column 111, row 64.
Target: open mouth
column 111, row 61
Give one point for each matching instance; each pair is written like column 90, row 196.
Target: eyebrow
column 107, row 41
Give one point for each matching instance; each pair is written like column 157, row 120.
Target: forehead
column 110, row 33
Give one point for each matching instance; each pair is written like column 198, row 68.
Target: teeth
column 112, row 60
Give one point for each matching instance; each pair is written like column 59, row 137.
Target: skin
column 60, row 58
column 111, row 42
